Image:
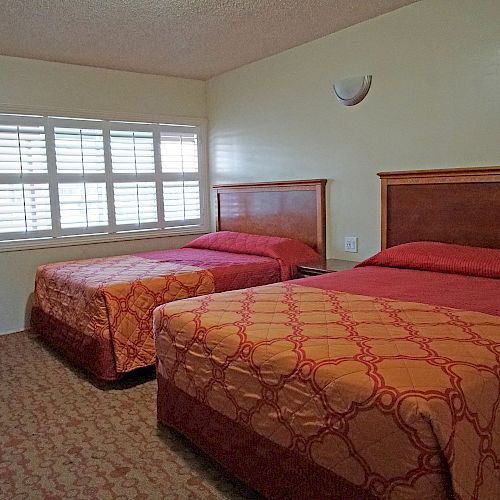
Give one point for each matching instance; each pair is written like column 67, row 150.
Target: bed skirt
column 95, row 355
column 272, row 470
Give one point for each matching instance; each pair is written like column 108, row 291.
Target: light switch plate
column 351, row 244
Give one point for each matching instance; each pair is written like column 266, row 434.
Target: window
column 61, row 177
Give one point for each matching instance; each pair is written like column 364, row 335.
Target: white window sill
column 89, row 239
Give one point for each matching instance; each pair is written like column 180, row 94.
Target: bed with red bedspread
column 378, row 382
column 98, row 312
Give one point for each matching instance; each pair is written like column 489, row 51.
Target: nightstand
column 323, row 267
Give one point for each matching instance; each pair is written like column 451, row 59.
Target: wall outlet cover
column 351, row 244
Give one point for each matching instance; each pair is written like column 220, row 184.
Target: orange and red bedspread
column 98, row 312
column 111, row 300
column 399, row 397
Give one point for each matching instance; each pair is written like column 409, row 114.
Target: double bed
column 98, row 312
column 379, row 382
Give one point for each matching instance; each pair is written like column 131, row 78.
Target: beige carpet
column 61, row 436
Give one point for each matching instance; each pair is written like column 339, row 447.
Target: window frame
column 27, row 115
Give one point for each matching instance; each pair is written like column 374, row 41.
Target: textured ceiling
column 189, row 38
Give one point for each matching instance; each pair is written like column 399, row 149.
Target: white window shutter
column 24, row 192
column 179, row 159
column 182, row 201
column 132, row 152
column 22, row 150
column 79, row 151
column 135, row 203
column 83, row 204
column 63, row 176
column 179, row 152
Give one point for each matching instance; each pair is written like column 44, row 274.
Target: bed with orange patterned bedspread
column 98, row 312
column 379, row 382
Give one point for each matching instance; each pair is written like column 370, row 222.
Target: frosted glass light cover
column 351, row 91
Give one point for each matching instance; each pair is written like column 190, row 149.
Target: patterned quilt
column 98, row 312
column 113, row 298
column 401, row 398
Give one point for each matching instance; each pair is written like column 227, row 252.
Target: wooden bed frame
column 290, row 209
column 459, row 205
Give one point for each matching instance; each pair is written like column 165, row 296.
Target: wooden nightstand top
column 324, row 266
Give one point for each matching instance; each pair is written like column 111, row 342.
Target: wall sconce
column 351, row 91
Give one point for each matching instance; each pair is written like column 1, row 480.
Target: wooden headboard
column 460, row 205
column 290, row 209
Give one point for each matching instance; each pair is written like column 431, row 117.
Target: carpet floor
column 63, row 436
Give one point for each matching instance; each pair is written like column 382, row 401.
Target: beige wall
column 26, row 84
column 434, row 102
